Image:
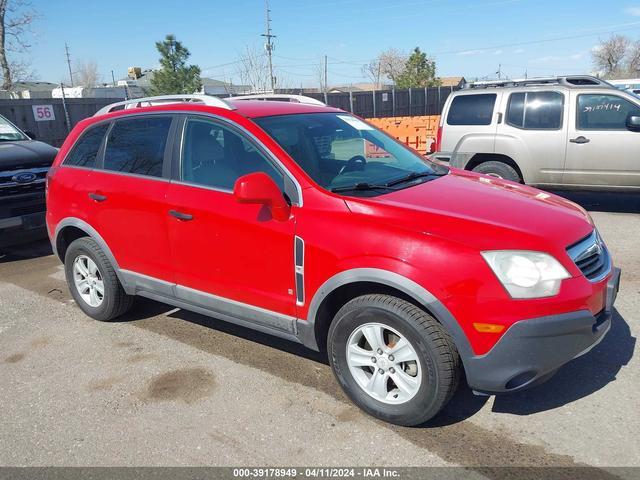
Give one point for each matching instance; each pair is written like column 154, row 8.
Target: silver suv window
column 535, row 110
column 472, row 109
column 603, row 112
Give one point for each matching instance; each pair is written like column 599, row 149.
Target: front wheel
column 499, row 170
column 393, row 359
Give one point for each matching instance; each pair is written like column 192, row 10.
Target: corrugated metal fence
column 54, row 131
column 389, row 103
column 378, row 104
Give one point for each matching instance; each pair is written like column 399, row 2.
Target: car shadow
column 575, row 380
column 615, row 202
column 26, row 251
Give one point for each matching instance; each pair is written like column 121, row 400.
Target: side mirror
column 30, row 134
column 260, row 188
column 633, row 122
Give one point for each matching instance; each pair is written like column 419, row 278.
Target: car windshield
column 343, row 153
column 8, row 132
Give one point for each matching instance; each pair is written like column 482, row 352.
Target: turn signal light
column 488, row 327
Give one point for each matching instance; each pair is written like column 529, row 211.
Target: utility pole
column 66, row 47
column 326, row 87
column 499, row 72
column 113, row 78
column 269, row 45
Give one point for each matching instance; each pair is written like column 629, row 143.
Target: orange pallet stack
column 416, row 132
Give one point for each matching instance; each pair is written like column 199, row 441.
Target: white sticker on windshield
column 354, row 122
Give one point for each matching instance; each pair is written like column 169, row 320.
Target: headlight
column 526, row 274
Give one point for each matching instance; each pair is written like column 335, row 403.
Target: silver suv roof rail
column 164, row 99
column 283, row 97
column 567, row 81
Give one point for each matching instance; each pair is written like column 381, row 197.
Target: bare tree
column 16, row 17
column 373, row 71
column 633, row 59
column 609, row 56
column 318, row 72
column 392, row 63
column 253, row 70
column 87, row 73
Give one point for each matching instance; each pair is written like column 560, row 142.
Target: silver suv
column 576, row 131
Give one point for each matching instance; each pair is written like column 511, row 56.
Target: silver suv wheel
column 88, row 281
column 383, row 363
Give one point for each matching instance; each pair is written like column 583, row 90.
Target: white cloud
column 576, row 56
column 633, row 11
column 547, row 59
column 470, row 52
column 498, row 52
column 518, row 50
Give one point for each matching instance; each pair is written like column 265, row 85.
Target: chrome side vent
column 299, row 267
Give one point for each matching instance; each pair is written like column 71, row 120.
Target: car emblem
column 24, row 177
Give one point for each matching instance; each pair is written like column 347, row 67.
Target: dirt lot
column 168, row 387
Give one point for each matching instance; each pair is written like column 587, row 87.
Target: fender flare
column 390, row 279
column 93, row 234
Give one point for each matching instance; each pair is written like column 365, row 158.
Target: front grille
column 10, row 187
column 591, row 256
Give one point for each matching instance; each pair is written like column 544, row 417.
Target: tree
column 87, row 74
column 419, row 71
column 16, row 18
column 174, row 75
column 609, row 57
column 391, row 64
column 253, row 70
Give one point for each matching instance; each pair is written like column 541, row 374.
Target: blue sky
column 466, row 37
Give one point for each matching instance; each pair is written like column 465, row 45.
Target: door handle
column 185, row 217
column 97, row 197
column 579, row 140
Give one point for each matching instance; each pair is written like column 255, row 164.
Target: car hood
column 483, row 212
column 25, row 154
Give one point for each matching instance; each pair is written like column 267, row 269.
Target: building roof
column 34, row 86
column 452, row 81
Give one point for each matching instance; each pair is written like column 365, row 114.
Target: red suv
column 303, row 221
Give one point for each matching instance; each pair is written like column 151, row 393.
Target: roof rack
column 163, row 99
column 567, row 81
column 283, row 97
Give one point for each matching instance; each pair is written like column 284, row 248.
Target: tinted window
column 137, row 145
column 472, row 109
column 536, row 110
column 85, row 151
column 604, row 112
column 216, row 156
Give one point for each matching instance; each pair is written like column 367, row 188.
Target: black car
column 24, row 164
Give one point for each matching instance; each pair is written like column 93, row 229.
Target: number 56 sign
column 43, row 113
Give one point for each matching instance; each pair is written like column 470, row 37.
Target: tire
column 498, row 169
column 113, row 302
column 434, row 375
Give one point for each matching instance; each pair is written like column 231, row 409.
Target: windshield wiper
column 413, row 176
column 362, row 186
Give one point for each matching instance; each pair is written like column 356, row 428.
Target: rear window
column 137, row 145
column 85, row 151
column 472, row 109
column 535, row 110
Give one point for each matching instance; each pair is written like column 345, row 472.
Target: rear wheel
column 93, row 282
column 498, row 169
column 394, row 360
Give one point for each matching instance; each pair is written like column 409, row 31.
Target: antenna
column 269, row 46
column 66, row 48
